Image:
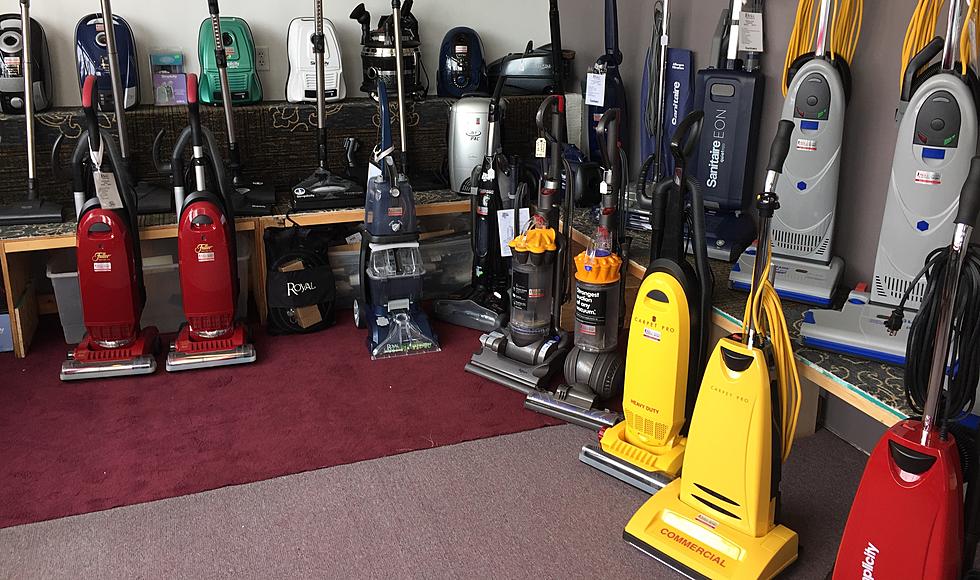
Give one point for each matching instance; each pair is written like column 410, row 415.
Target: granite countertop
column 880, row 383
column 67, row 228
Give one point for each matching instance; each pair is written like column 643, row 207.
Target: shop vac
column 720, row 518
column 614, row 90
column 92, row 57
column 207, row 252
column 219, row 86
column 909, row 518
column 593, row 367
column 110, row 265
column 390, row 264
column 25, row 87
column 378, row 50
column 670, row 329
column 307, row 54
column 802, row 234
column 526, row 354
column 462, row 68
column 483, row 303
column 937, row 137
column 323, row 189
column 731, row 98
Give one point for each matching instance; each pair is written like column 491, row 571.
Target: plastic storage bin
column 162, row 280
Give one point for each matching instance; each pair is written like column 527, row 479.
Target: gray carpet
column 518, row 506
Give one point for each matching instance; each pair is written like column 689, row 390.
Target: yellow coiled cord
column 967, row 43
column 845, row 31
column 765, row 312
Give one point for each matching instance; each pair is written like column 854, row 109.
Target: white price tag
column 750, row 38
column 541, row 148
column 354, row 238
column 107, row 190
column 595, row 89
column 505, row 227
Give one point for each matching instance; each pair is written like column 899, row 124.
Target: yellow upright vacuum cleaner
column 668, row 338
column 718, row 520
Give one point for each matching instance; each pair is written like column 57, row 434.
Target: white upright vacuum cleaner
column 816, row 100
column 937, row 138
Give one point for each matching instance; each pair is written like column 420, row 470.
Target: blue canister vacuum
column 462, row 67
column 92, row 58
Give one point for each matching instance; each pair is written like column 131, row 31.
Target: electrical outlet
column 261, row 58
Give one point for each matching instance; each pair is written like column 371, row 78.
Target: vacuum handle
column 686, row 137
column 921, row 59
column 780, row 146
column 612, row 34
column 970, row 196
column 194, row 110
column 557, row 70
column 213, row 7
column 88, row 105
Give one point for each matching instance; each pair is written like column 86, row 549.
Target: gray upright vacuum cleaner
column 803, row 229
column 593, row 368
column 33, row 210
column 526, row 353
column 323, row 189
column 937, row 138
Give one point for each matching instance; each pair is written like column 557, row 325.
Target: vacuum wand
column 658, row 162
column 396, row 16
column 733, row 34
column 221, row 60
column 768, row 203
column 117, row 88
column 321, row 99
column 954, row 25
column 823, row 25
column 556, row 57
column 966, row 220
column 28, row 67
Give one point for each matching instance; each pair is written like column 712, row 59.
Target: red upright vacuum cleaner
column 110, row 267
column 207, row 251
column 907, row 520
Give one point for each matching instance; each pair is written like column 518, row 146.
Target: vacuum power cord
column 845, row 32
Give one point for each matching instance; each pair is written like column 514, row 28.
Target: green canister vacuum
column 238, row 46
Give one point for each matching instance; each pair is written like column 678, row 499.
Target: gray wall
column 871, row 132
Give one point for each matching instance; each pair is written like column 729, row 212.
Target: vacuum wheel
column 359, row 320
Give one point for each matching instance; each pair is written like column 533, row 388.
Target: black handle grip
column 686, row 136
column 780, row 146
column 921, row 59
column 970, row 196
column 213, row 7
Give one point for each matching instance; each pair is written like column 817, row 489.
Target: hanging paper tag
column 505, row 228
column 750, row 37
column 373, row 171
column 107, row 190
column 541, row 148
column 595, row 89
column 353, row 238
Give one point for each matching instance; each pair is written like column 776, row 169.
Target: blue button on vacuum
column 809, row 125
column 801, row 185
column 922, row 226
column 930, row 153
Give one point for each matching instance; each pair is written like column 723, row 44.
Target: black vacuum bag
column 300, row 285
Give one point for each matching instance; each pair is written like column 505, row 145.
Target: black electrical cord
column 959, row 396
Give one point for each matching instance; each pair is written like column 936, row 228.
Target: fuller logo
column 297, row 288
column 204, row 248
column 101, row 257
column 694, row 547
column 868, row 564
